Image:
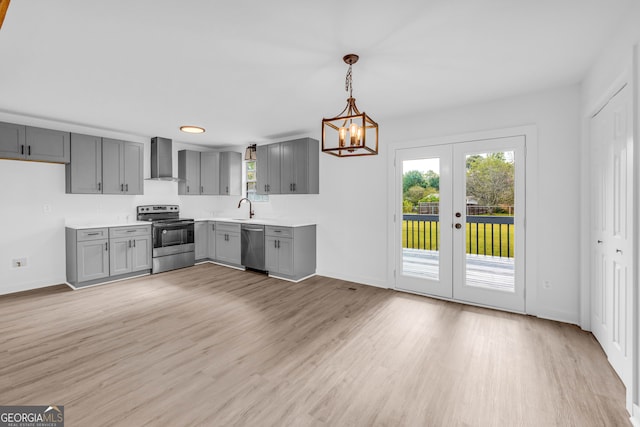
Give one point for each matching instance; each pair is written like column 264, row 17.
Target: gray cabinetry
column 290, row 252
column 189, row 172
column 130, row 249
column 299, row 166
column 228, row 246
column 12, row 141
column 230, row 173
column 84, row 171
column 268, row 170
column 122, row 167
column 87, row 255
column 31, row 143
column 211, row 242
column 289, row 167
column 201, row 237
column 209, row 173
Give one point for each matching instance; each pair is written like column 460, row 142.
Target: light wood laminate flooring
column 213, row 346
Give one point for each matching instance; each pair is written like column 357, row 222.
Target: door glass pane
column 421, row 218
column 490, row 228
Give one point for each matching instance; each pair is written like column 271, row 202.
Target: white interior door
column 612, row 231
column 448, row 245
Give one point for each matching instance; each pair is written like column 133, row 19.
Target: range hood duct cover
column 162, row 159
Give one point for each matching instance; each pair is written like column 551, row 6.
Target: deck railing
column 485, row 235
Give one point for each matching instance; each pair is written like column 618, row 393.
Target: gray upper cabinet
column 31, row 143
column 268, row 171
column 299, row 167
column 47, row 145
column 189, row 172
column 230, row 173
column 84, row 172
column 122, row 167
column 209, row 173
column 289, row 167
column 12, row 141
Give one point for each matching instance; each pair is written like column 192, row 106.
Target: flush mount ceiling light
column 351, row 133
column 192, row 129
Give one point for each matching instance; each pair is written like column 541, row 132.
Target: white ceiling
column 254, row 71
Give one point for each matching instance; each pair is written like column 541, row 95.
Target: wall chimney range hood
column 162, row 159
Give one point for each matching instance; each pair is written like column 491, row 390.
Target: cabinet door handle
column 213, row 227
column 131, row 231
column 99, row 186
column 275, row 244
column 227, row 190
column 134, row 243
column 126, row 188
column 202, row 188
column 121, row 187
column 22, row 149
column 129, row 243
column 92, row 234
column 278, row 244
column 106, row 246
column 29, row 150
column 294, row 187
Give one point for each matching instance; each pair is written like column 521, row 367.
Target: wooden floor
column 213, row 346
column 482, row 271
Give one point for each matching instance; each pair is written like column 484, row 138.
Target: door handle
column 134, row 243
column 129, row 243
column 22, row 149
column 29, row 151
column 99, row 186
column 126, row 188
column 121, row 187
column 106, row 246
column 458, row 226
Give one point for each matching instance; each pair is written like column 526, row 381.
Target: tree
column 414, row 194
column 432, row 180
column 411, row 179
column 490, row 180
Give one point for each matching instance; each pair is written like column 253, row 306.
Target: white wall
column 351, row 209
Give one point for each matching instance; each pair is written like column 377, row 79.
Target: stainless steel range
column 173, row 237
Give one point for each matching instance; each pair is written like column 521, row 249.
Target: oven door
column 173, row 238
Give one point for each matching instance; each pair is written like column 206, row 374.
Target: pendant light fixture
column 250, row 152
column 350, row 133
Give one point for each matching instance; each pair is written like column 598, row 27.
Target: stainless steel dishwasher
column 252, row 254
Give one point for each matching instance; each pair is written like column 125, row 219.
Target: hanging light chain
column 348, row 84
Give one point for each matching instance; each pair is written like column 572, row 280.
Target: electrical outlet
column 546, row 284
column 46, row 208
column 19, row 262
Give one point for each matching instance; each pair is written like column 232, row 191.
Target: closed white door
column 612, row 231
column 460, row 221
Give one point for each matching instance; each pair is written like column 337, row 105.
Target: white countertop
column 104, row 224
column 280, row 222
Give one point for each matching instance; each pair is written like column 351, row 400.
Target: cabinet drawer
column 142, row 230
column 271, row 230
column 228, row 226
column 92, row 234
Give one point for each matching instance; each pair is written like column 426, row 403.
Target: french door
column 460, row 221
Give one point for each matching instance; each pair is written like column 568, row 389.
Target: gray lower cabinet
column 21, row 142
column 201, row 238
column 97, row 255
column 130, row 249
column 228, row 243
column 122, row 167
column 211, row 236
column 84, row 171
column 290, row 252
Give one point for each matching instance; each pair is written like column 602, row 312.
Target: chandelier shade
column 351, row 133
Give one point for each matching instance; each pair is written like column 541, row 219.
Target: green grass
column 476, row 244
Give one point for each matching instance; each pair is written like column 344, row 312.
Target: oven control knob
column 164, row 231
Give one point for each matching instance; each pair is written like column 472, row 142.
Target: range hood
column 161, row 160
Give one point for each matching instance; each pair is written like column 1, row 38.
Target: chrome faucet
column 251, row 212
